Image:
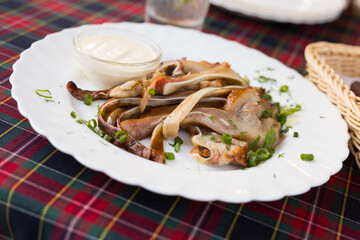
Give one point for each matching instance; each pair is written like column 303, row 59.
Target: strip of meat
column 211, row 150
column 81, row 94
column 240, row 117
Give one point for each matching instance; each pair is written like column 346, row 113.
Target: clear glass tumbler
column 182, row 13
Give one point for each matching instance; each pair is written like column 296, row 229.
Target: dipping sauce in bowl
column 110, row 56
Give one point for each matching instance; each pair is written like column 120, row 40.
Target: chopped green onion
column 270, row 139
column 251, row 156
column 72, row 114
column 88, row 100
column 262, row 154
column 177, row 144
column 177, row 147
column 255, row 142
column 99, row 111
column 169, row 156
column 152, row 92
column 281, row 155
column 296, row 134
column 122, row 137
column 285, row 112
column 101, row 133
column 226, row 138
column 270, row 69
column 212, row 118
column 107, row 138
column 232, row 123
column 266, row 113
column 255, row 158
column 213, row 138
column 92, row 124
column 284, row 88
column 241, row 135
column 81, row 121
column 178, row 140
column 267, row 97
column 307, row 157
column 259, row 102
column 263, row 79
column 44, row 96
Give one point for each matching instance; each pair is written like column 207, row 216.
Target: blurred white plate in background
column 289, row 11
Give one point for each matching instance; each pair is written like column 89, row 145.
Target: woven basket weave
column 325, row 63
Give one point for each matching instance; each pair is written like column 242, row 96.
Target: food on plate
column 111, row 56
column 229, row 121
column 107, row 47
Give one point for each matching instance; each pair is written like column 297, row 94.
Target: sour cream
column 117, row 49
column 108, row 57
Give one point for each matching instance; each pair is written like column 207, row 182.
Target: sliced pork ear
column 240, row 117
column 130, row 144
column 172, row 122
column 223, row 71
column 214, row 75
column 143, row 127
column 128, row 89
column 190, row 67
column 211, row 150
column 81, row 94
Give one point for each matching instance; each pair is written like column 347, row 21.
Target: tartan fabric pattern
column 46, row 194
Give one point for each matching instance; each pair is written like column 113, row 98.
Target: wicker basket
column 325, row 63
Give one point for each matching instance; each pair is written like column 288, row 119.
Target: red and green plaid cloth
column 46, row 194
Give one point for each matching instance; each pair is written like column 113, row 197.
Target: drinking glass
column 182, row 13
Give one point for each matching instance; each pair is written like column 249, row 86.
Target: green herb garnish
column 72, row 114
column 267, row 97
column 213, row 138
column 259, row 103
column 255, row 158
column 120, row 136
column 285, row 112
column 263, row 79
column 177, row 147
column 39, row 91
column 226, row 138
column 232, row 123
column 92, row 124
column 270, row 139
column 177, row 144
column 107, row 138
column 212, row 118
column 152, row 92
column 266, row 113
column 99, row 111
column 255, row 142
column 281, row 155
column 296, row 134
column 169, row 156
column 88, row 100
column 284, row 88
column 307, row 157
column 241, row 135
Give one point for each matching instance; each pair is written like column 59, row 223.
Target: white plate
column 50, row 64
column 290, row 11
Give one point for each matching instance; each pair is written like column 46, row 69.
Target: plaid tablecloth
column 46, row 194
